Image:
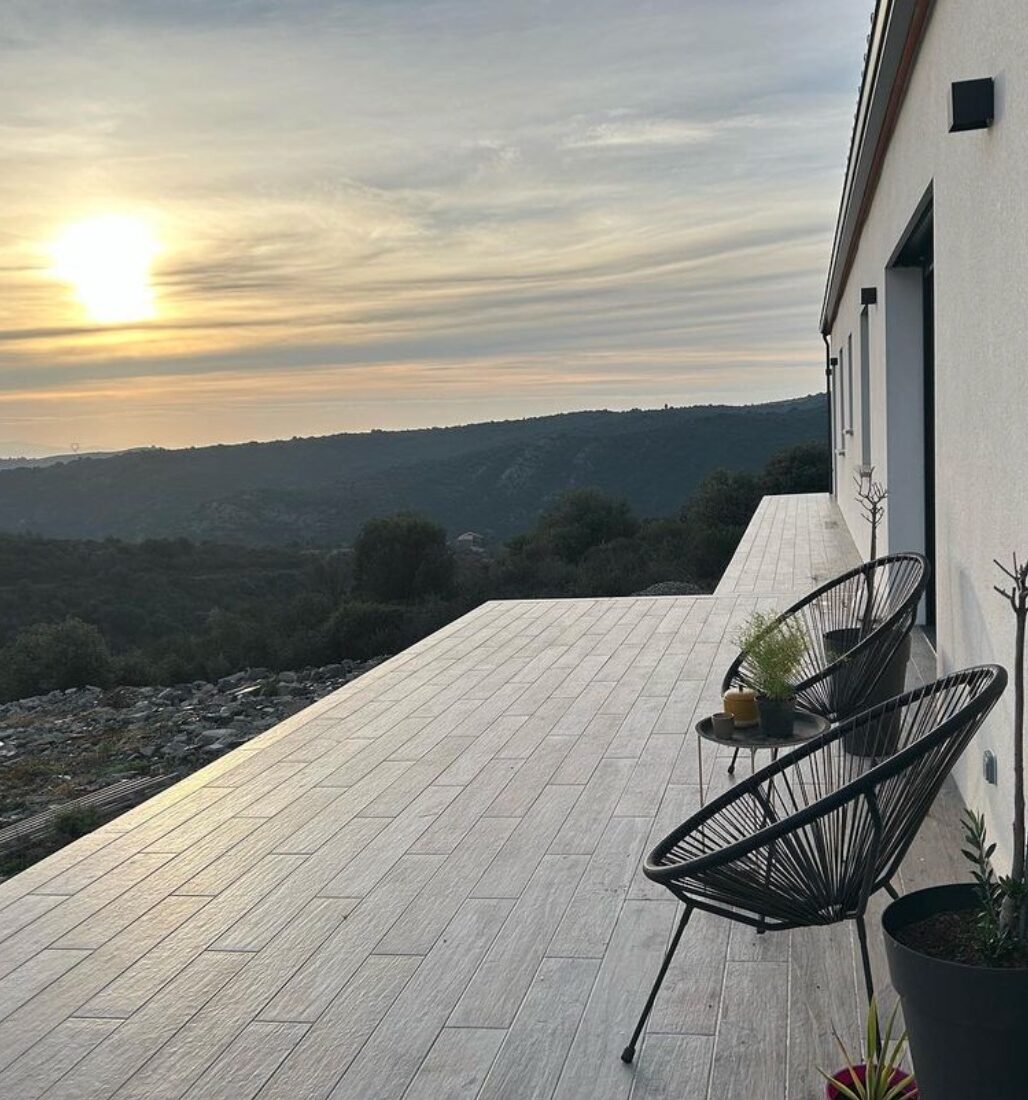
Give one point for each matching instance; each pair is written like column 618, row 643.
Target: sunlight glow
column 107, row 261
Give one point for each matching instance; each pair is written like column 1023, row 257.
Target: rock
column 671, row 588
column 216, row 734
column 149, row 730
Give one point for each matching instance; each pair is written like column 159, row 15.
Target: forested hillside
column 495, row 478
column 76, row 612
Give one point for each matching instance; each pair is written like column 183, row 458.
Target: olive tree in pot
column 958, row 955
column 774, row 651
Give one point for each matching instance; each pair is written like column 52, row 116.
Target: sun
column 107, row 261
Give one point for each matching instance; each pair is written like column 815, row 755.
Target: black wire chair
column 854, row 625
column 807, row 840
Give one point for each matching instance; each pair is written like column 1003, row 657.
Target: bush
column 806, row 468
column 717, row 517
column 668, row 550
column 581, row 519
column 52, row 656
column 724, row 499
column 361, row 630
column 402, row 557
column 616, row 568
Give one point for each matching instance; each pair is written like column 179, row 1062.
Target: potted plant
column 774, row 651
column 881, row 1076
column 958, row 954
column 864, row 741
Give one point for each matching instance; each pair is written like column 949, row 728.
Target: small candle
column 742, row 705
column 722, row 724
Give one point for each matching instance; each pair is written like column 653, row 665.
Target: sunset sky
column 251, row 219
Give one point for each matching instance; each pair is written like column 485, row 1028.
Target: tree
column 717, row 517
column 361, row 630
column 615, row 568
column 1015, row 901
column 805, row 468
column 51, row 656
column 402, row 558
column 583, row 518
column 668, row 549
column 725, row 498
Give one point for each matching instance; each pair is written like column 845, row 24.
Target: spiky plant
column 883, row 1063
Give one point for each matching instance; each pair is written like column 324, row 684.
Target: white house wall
column 981, row 355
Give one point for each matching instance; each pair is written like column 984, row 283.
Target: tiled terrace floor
column 793, row 544
column 427, row 886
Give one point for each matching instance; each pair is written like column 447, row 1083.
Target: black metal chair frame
column 836, row 689
column 837, row 851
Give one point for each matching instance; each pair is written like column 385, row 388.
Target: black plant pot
column 776, row 716
column 967, row 1024
column 871, row 740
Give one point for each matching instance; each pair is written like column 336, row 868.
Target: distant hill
column 22, row 456
column 493, row 478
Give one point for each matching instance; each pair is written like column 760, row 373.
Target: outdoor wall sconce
column 869, row 295
column 972, row 105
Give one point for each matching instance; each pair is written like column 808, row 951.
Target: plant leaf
column 843, row 1090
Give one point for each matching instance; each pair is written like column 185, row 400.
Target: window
column 849, row 384
column 865, row 389
column 840, row 401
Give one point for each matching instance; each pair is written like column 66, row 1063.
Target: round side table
column 805, row 728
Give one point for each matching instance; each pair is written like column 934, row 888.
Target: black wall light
column 972, row 105
column 869, row 295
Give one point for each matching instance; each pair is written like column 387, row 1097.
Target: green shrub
column 402, row 557
column 616, row 568
column 362, row 629
column 581, row 519
column 51, row 656
column 805, row 468
column 774, row 651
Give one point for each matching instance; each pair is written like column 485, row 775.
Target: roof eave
column 896, row 33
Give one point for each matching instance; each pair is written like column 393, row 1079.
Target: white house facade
column 925, row 321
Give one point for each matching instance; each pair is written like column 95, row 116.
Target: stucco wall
column 980, row 184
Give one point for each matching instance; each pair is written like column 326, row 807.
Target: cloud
column 342, row 186
column 633, row 133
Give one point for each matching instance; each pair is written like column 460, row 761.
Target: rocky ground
column 672, row 588
column 68, row 743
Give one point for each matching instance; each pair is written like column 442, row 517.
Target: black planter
column 868, row 740
column 967, row 1025
column 776, row 716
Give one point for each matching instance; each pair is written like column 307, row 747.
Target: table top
column 805, row 728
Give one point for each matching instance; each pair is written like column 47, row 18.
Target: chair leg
column 629, row 1052
column 892, row 891
column 865, row 958
column 731, row 767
